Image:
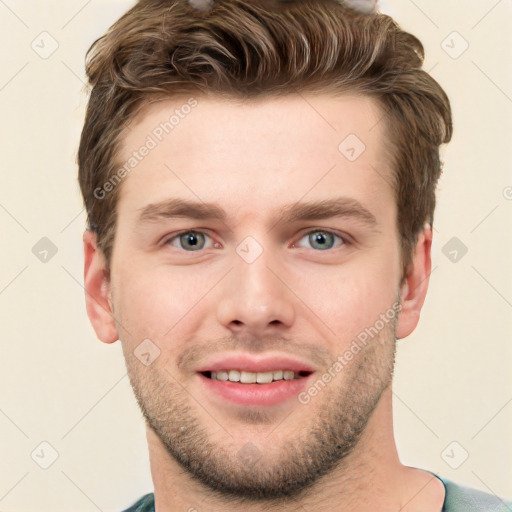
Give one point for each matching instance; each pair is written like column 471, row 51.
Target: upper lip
column 251, row 363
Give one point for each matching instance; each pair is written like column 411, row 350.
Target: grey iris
column 320, row 238
column 196, row 240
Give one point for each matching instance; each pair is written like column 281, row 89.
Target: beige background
column 60, row 385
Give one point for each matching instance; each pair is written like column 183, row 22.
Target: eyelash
column 344, row 239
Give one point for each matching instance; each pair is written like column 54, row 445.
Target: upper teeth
column 251, row 377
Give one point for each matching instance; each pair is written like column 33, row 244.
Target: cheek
column 152, row 303
column 350, row 297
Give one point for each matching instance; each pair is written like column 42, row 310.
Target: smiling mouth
column 244, row 377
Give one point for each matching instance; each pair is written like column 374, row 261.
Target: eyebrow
column 300, row 211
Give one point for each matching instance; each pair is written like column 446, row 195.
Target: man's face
column 259, row 283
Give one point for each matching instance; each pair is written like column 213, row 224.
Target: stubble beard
column 253, row 474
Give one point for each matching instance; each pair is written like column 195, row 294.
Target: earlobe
column 414, row 288
column 97, row 290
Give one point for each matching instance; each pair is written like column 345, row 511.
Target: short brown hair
column 262, row 48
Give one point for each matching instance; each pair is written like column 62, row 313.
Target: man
column 260, row 178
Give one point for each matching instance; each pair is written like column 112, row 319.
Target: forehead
column 254, row 154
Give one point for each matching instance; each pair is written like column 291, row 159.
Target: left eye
column 322, row 240
column 193, row 240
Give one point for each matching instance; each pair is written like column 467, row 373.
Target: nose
column 255, row 297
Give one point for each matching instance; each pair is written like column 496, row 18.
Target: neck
column 370, row 478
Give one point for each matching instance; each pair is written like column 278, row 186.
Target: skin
column 337, row 452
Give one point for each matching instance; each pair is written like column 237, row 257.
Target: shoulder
column 464, row 499
column 145, row 504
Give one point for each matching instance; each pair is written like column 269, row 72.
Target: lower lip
column 255, row 394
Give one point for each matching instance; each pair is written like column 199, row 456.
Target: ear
column 415, row 284
column 97, row 290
